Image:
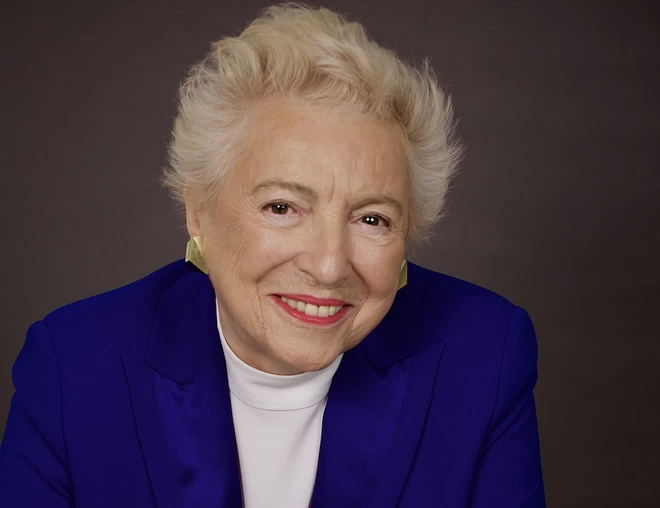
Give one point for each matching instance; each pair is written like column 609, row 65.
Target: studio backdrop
column 555, row 207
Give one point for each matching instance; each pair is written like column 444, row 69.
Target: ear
column 193, row 214
column 193, row 222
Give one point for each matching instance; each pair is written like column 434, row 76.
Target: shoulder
column 454, row 308
column 474, row 326
column 439, row 285
column 121, row 317
column 485, row 340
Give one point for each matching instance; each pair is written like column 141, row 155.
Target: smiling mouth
column 312, row 310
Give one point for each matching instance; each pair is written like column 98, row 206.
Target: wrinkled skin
column 318, row 205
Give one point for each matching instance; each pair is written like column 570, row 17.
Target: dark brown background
column 556, row 208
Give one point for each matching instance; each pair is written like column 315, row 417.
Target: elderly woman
column 287, row 362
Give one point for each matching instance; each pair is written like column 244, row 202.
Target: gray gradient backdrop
column 557, row 206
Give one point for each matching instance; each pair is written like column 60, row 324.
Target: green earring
column 194, row 253
column 403, row 275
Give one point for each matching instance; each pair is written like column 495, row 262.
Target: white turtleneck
column 277, row 421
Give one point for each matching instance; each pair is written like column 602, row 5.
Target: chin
column 308, row 362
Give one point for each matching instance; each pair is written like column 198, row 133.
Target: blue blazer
column 122, row 401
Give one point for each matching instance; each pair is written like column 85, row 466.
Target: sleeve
column 34, row 469
column 508, row 473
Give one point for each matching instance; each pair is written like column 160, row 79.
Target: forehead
column 322, row 147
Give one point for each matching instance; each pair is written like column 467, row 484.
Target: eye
column 279, row 208
column 374, row 220
column 282, row 213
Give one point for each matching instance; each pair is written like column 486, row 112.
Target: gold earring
column 403, row 275
column 194, row 253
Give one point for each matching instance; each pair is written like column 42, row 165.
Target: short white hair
column 318, row 56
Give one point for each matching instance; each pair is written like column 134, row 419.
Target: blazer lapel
column 422, row 372
column 376, row 409
column 194, row 425
column 155, row 448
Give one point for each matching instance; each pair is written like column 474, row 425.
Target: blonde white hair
column 318, row 56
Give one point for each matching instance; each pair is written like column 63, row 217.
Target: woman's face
column 305, row 242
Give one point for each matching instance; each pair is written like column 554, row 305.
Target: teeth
column 312, row 310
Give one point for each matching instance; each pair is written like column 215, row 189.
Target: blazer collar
column 392, row 340
column 185, row 333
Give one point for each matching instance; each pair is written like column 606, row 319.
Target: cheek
column 250, row 251
column 379, row 268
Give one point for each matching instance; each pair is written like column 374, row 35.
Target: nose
column 326, row 255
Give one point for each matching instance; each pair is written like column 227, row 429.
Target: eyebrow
column 303, row 189
column 282, row 184
column 382, row 200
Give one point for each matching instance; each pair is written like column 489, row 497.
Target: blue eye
column 279, row 208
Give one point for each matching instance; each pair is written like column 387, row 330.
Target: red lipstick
column 313, row 320
column 328, row 302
